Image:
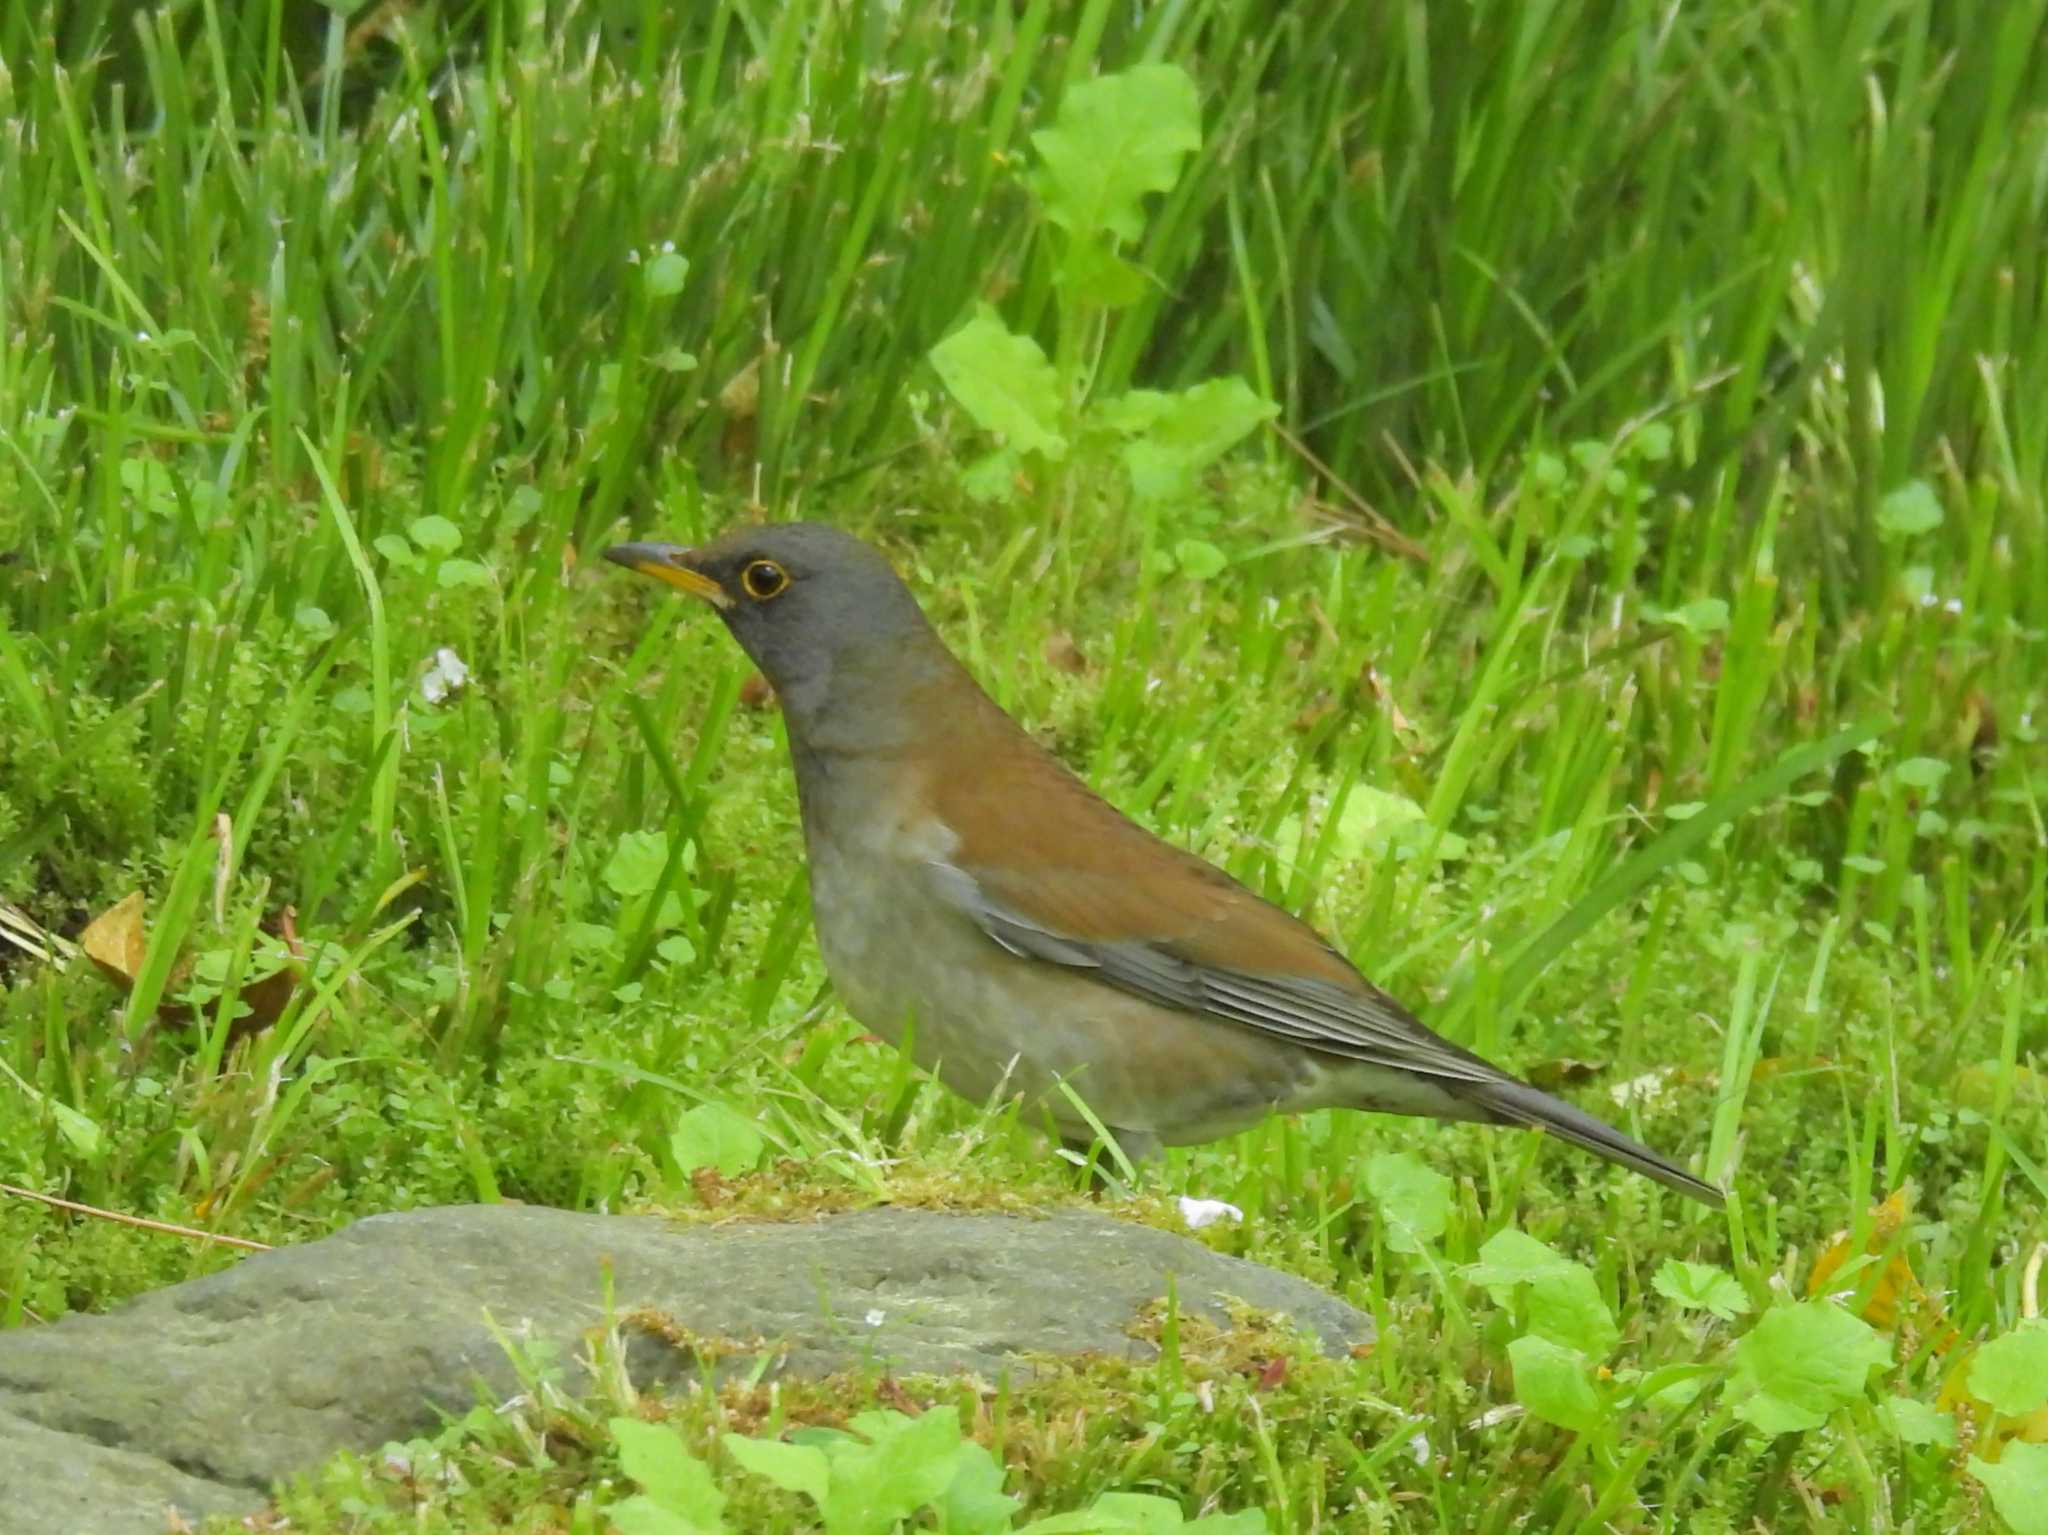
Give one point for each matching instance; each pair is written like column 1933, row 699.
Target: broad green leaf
column 1917, row 1423
column 1555, row 1383
column 993, row 476
column 1099, row 275
column 2018, row 1484
column 1651, row 442
column 1114, row 140
column 817, row 1436
column 1130, row 1513
column 665, row 274
column 151, row 482
column 393, row 547
column 590, row 937
column 638, row 858
column 1512, row 1258
column 1134, row 1513
column 454, row 573
column 1142, row 1512
column 1173, row 437
column 974, row 1502
column 1704, row 615
column 1702, row 1287
column 920, row 1459
column 435, row 534
column 871, row 1427
column 1565, row 1306
column 1131, row 414
column 1562, row 1299
column 713, row 1135
column 2011, row 1373
column 1378, row 822
column 1799, row 1363
column 674, row 1480
column 80, row 1129
column 1005, row 383
column 792, row 1467
column 641, row 1515
column 1921, row 772
column 1413, row 1200
column 1912, row 508
column 1198, row 559
column 1674, row 1386
column 1372, row 816
column 910, row 1463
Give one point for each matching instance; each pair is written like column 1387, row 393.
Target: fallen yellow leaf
column 114, row 940
column 1895, row 1295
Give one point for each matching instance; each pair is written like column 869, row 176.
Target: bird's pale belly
column 993, row 1026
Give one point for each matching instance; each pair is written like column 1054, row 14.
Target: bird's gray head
column 821, row 613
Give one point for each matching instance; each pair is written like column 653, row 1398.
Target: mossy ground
column 323, row 351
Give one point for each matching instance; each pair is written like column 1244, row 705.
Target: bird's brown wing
column 1052, row 872
column 1055, row 874
column 1181, row 970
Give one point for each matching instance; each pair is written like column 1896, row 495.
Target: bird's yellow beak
column 670, row 563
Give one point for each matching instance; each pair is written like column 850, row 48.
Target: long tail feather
column 1517, row 1103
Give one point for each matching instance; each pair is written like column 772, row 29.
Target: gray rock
column 201, row 1395
column 63, row 1483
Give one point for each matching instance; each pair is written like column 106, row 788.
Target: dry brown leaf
column 1977, row 1086
column 115, row 942
column 1896, row 1297
column 1404, row 729
column 1062, row 652
column 266, row 998
column 739, row 400
column 755, row 693
column 1790, row 1065
column 1563, row 1072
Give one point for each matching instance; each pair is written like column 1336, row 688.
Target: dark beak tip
column 672, row 564
column 632, row 556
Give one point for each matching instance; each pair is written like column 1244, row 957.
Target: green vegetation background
column 1697, row 354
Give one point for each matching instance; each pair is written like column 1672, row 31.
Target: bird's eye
column 763, row 579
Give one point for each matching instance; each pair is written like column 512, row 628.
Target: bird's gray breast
column 870, row 847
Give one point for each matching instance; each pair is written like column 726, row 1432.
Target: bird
column 976, row 903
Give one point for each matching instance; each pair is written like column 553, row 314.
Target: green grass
column 1699, row 350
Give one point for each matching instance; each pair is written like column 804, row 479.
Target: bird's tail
column 1510, row 1102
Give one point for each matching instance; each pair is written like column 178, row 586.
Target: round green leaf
column 1555, row 1383
column 1912, row 508
column 2018, row 1484
column 1413, row 1200
column 2011, row 1373
column 1800, row 1363
column 665, row 274
column 435, row 534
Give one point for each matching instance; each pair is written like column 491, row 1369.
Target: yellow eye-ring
column 763, row 579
